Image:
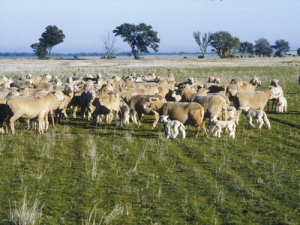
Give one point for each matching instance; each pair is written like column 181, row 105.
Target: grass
column 80, row 174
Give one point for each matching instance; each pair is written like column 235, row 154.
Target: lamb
column 30, row 108
column 254, row 100
column 259, row 115
column 281, row 104
column 172, row 127
column 190, row 113
column 221, row 124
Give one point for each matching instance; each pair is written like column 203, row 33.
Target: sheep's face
column 163, row 118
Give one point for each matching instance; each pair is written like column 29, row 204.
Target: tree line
column 142, row 37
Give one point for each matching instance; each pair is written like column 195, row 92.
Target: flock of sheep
column 128, row 98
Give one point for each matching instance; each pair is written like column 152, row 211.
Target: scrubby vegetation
column 80, row 174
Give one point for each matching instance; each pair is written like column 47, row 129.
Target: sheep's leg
column 168, row 132
column 182, row 130
column 133, row 117
column 139, row 119
column 156, row 116
column 250, row 124
column 237, row 118
column 203, row 128
column 261, row 122
column 12, row 124
column 74, row 111
column 219, row 129
column 175, row 129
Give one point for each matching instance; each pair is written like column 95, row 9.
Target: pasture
column 80, row 174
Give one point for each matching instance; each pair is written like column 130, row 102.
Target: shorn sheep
column 223, row 124
column 259, row 115
column 172, row 127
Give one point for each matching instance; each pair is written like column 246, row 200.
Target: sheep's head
column 244, row 108
column 163, row 118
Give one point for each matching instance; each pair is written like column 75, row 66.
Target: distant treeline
column 84, row 54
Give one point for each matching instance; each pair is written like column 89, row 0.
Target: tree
column 281, row 46
column 109, row 44
column 246, row 47
column 39, row 50
column 223, row 42
column 298, row 51
column 203, row 41
column 262, row 47
column 51, row 37
column 139, row 37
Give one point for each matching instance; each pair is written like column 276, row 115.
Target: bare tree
column 109, row 44
column 203, row 41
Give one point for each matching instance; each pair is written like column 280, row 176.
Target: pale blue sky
column 83, row 22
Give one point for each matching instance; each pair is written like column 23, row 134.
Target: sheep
column 172, row 127
column 216, row 88
column 254, row 100
column 30, row 108
column 279, row 91
column 237, row 85
column 215, row 80
column 259, row 115
column 190, row 113
column 231, row 113
column 3, row 98
column 137, row 106
column 281, row 104
column 223, row 124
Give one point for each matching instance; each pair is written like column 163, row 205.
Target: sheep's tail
column 266, row 120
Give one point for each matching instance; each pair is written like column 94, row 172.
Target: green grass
column 79, row 174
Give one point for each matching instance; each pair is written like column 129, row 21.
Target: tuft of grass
column 23, row 213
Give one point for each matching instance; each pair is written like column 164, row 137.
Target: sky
column 84, row 22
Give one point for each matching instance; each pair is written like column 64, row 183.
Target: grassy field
column 80, row 174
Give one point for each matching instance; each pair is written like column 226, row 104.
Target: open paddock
column 80, row 174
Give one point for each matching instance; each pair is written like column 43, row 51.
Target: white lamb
column 259, row 115
column 223, row 124
column 172, row 127
column 281, row 104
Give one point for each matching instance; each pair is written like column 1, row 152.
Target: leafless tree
column 109, row 44
column 202, row 40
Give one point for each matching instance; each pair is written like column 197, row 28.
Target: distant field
column 80, row 174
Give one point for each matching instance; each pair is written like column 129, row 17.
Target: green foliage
column 246, row 47
column 298, row 51
column 51, row 37
column 263, row 48
column 224, row 44
column 139, row 37
column 281, row 46
column 39, row 50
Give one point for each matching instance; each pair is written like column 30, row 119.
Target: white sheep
column 172, row 127
column 281, row 104
column 223, row 124
column 259, row 115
